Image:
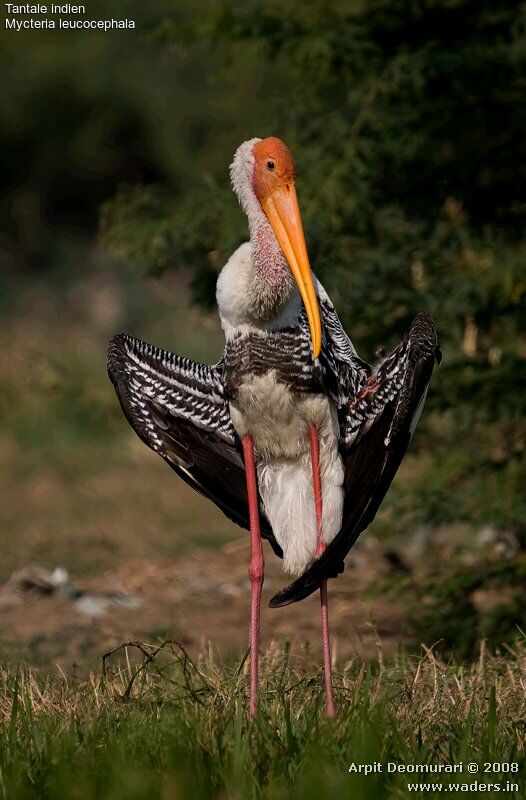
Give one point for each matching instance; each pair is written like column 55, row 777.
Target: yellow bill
column 282, row 209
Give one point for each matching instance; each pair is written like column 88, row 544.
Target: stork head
column 263, row 176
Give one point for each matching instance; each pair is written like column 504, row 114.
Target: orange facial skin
column 273, row 182
column 267, row 178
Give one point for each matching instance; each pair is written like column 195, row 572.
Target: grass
column 155, row 724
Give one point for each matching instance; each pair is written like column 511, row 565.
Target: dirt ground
column 202, row 598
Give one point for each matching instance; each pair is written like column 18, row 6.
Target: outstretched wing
column 178, row 408
column 375, row 430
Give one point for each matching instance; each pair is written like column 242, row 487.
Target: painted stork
column 291, row 433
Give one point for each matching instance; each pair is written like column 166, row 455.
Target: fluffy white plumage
column 287, row 492
column 235, row 298
column 241, row 170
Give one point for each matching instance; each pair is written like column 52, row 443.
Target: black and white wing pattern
column 286, row 352
column 344, row 372
column 376, row 426
column 178, row 408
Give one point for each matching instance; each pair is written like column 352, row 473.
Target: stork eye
column 271, row 165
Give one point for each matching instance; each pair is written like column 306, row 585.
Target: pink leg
column 318, row 505
column 255, row 569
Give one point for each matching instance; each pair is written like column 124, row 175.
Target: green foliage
column 444, row 610
column 407, row 120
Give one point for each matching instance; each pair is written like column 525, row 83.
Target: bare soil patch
column 201, row 598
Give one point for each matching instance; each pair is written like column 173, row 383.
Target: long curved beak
column 282, row 210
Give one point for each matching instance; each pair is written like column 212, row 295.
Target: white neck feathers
column 272, row 280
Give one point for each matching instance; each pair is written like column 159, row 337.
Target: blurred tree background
column 407, row 120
